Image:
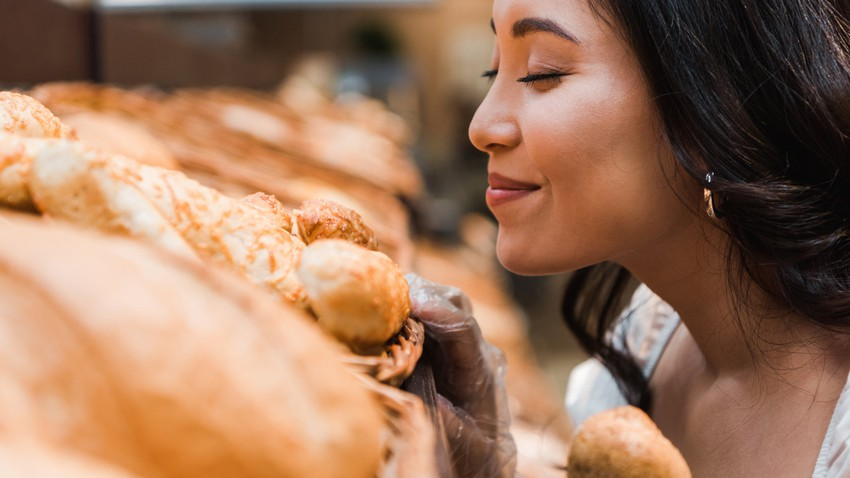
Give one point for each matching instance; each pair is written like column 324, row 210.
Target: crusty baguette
column 78, row 184
column 324, row 219
column 623, row 443
column 359, row 296
column 109, row 191
column 113, row 348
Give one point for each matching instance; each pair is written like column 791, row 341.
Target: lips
column 503, row 190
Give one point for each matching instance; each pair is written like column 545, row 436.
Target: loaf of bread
column 82, row 185
column 116, row 350
column 360, row 296
column 623, row 443
column 115, row 193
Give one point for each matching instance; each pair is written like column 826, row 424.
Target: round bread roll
column 24, row 116
column 318, row 219
column 118, row 350
column 360, row 296
column 623, row 443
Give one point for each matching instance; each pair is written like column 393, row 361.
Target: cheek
column 608, row 193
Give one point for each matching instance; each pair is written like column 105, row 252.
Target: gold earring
column 708, row 196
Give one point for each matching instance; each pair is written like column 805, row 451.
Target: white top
column 648, row 323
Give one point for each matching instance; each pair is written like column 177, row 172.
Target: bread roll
column 324, row 219
column 268, row 204
column 22, row 117
column 113, row 349
column 624, row 443
column 359, row 296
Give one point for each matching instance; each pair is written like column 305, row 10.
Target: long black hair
column 757, row 92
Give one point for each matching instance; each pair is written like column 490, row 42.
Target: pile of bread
column 162, row 318
column 146, row 352
column 240, row 141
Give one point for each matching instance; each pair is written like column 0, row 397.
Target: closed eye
column 541, row 79
column 489, row 74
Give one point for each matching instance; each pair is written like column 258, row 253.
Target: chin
column 520, row 262
column 521, row 257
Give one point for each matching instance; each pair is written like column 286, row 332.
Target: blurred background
column 420, row 60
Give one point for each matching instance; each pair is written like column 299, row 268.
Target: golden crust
column 24, row 116
column 119, row 194
column 268, row 204
column 324, row 219
column 624, row 442
column 360, row 296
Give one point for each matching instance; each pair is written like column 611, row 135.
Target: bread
column 324, row 219
column 72, row 182
column 116, row 350
column 359, row 296
column 22, row 117
column 118, row 134
column 268, row 204
column 118, row 194
column 37, row 460
column 623, row 443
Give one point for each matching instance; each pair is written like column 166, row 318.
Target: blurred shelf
column 174, row 5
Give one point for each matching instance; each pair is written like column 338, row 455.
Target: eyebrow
column 534, row 24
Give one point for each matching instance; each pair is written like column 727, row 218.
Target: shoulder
column 644, row 328
column 834, row 457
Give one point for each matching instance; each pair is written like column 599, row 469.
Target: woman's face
column 577, row 169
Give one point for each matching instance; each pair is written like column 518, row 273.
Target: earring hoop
column 708, row 196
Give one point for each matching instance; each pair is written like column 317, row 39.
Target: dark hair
column 758, row 92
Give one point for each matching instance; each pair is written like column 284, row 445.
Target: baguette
column 80, row 184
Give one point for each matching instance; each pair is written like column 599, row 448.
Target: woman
column 701, row 147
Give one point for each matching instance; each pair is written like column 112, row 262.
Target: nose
column 494, row 125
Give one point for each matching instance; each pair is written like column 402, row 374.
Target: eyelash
column 542, row 79
column 530, row 80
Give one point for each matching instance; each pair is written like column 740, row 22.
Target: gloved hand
column 469, row 377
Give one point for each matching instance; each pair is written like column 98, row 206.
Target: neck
column 733, row 339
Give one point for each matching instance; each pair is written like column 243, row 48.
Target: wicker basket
column 399, row 358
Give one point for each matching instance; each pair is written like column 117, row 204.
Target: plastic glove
column 469, row 377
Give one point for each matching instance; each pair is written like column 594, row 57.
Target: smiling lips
column 503, row 190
